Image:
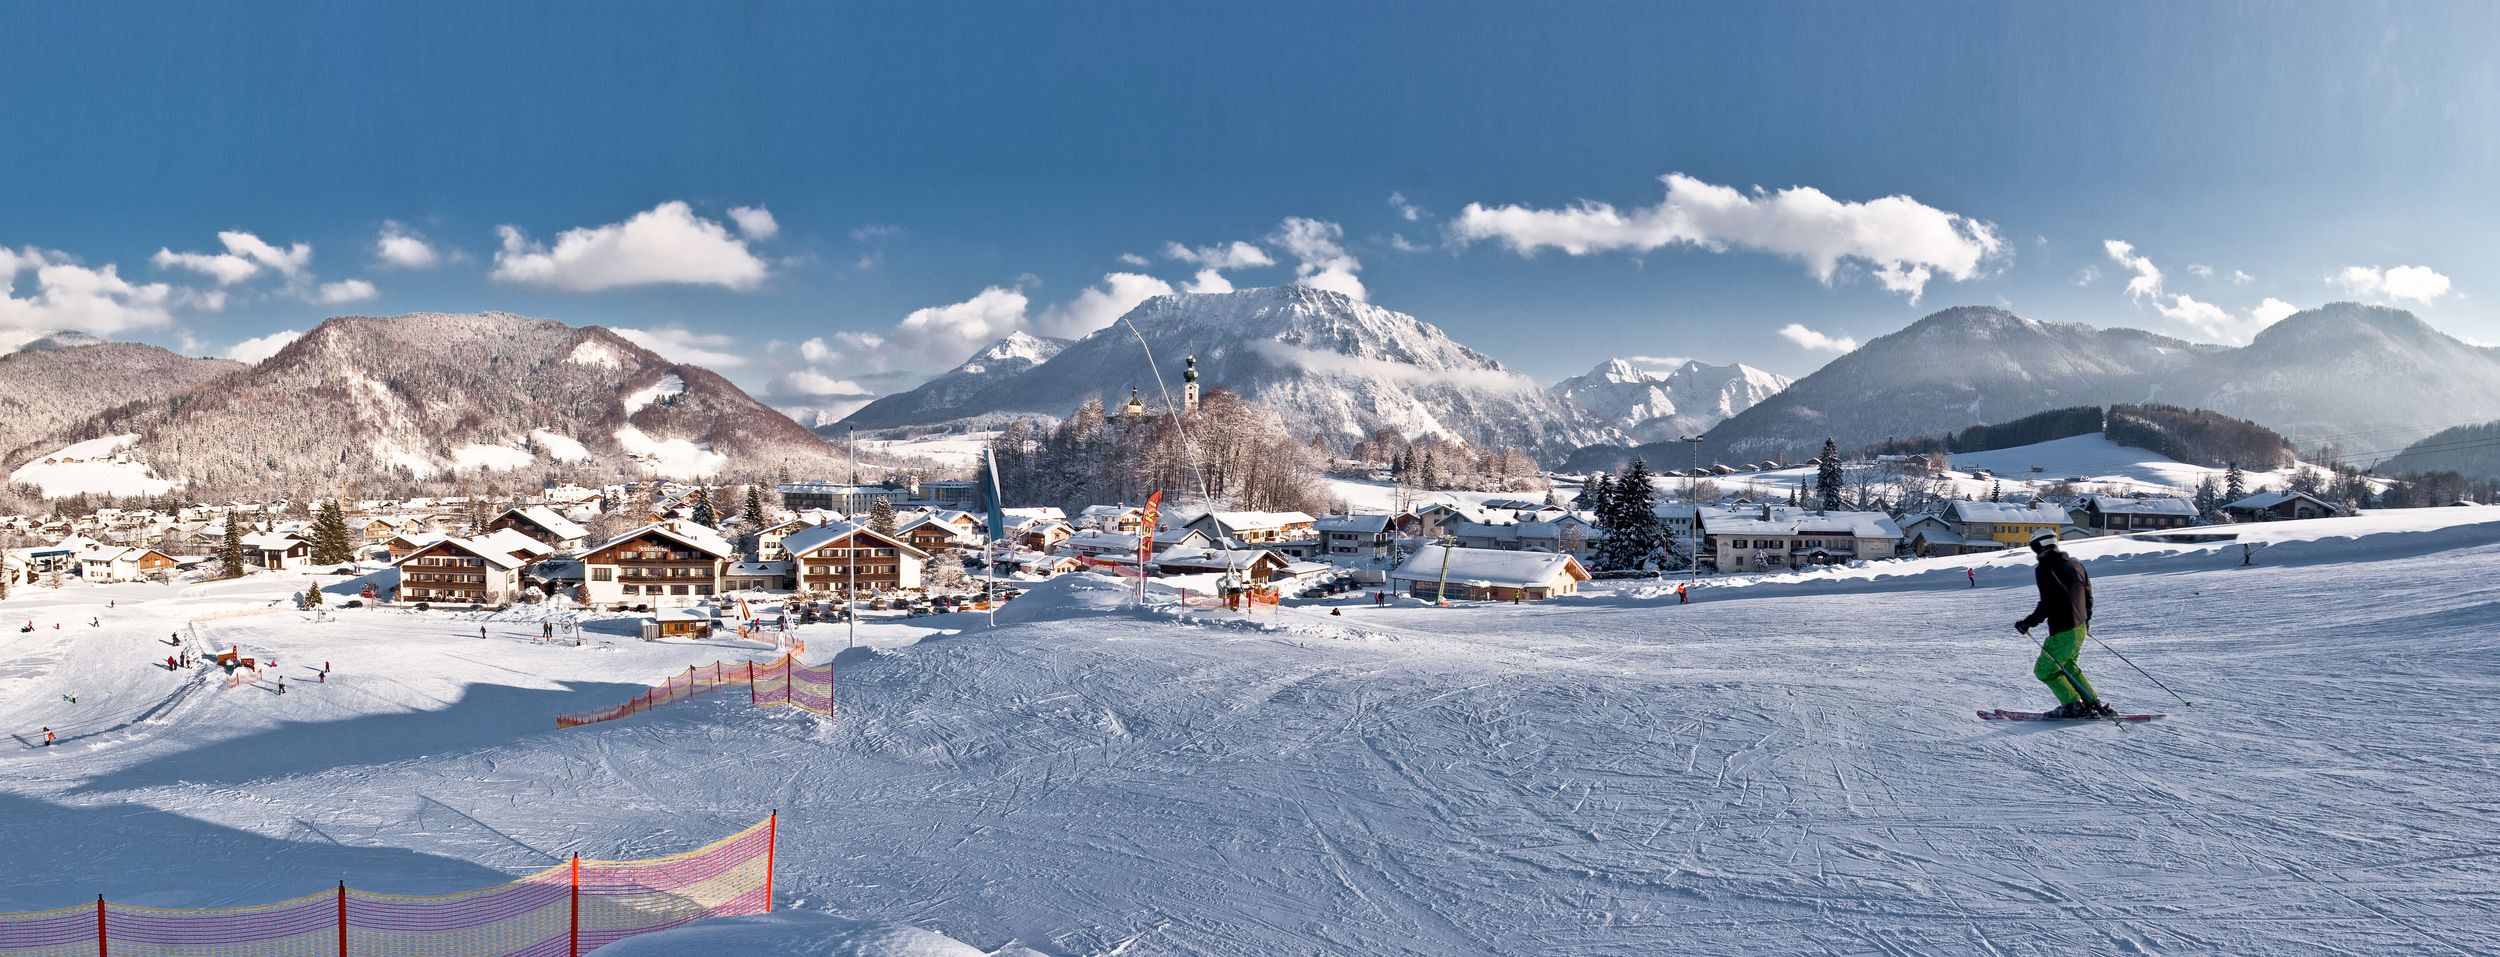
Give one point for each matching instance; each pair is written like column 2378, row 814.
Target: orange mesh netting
column 563, row 911
column 783, row 681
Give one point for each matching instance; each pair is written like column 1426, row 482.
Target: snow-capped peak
column 1690, row 397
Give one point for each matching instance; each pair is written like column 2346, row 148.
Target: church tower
column 1136, row 406
column 1189, row 385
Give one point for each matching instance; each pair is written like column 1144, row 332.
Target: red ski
column 2001, row 714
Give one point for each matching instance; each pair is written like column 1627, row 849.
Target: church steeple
column 1135, row 406
column 1189, row 385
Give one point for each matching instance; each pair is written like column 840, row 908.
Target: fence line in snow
column 782, row 682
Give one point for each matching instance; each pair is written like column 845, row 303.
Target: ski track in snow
column 1771, row 770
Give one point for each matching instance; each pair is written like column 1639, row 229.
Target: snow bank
column 93, row 467
column 596, row 353
column 560, row 447
column 675, row 458
column 502, row 458
column 793, row 934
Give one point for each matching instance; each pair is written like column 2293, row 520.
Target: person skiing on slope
column 2066, row 605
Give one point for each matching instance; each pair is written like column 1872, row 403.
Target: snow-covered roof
column 514, row 542
column 1237, row 521
column 562, row 528
column 686, row 533
column 1368, row 524
column 2150, row 505
column 272, row 541
column 761, row 569
column 1492, row 566
column 2004, row 513
column 1218, row 558
column 1802, row 521
column 480, row 549
column 799, row 543
column 2264, row 500
column 939, row 521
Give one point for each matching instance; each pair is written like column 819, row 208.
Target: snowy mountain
column 433, row 395
column 1002, row 360
column 1325, row 363
column 1652, row 407
column 2337, row 371
column 65, row 377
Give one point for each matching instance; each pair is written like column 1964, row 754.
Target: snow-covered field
column 1788, row 766
column 93, row 467
column 2087, row 462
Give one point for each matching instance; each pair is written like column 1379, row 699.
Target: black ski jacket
column 2065, row 594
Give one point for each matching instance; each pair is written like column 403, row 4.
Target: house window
column 603, row 574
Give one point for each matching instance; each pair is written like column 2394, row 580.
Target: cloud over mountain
column 667, row 244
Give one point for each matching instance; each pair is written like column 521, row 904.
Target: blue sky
column 932, row 177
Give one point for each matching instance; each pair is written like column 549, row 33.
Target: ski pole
column 2183, row 701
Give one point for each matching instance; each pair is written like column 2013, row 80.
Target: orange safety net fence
column 564, row 911
column 782, row 681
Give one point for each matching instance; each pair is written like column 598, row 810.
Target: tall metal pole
column 850, row 587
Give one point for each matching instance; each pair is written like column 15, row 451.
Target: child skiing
column 2066, row 605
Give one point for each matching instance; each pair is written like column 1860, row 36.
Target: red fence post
column 750, row 681
column 101, row 951
column 576, row 936
column 772, row 842
column 342, row 919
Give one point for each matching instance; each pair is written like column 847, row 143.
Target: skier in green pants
column 2066, row 604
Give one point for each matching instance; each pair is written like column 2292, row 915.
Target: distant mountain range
column 2469, row 450
column 1651, row 407
column 1326, row 364
column 60, row 379
column 2367, row 378
column 434, row 396
column 933, row 400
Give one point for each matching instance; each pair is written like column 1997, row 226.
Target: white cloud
column 345, row 291
column 69, row 297
column 401, row 247
column 2239, row 278
column 1133, row 259
column 1099, row 306
column 2417, row 283
column 2089, row 275
column 255, row 350
column 1322, row 263
column 1813, row 341
column 816, row 351
column 941, row 336
column 2272, row 311
column 1208, row 280
column 245, row 256
column 1406, row 210
column 2200, row 271
column 1903, row 243
column 679, row 344
column 666, row 244
column 755, row 222
column 1234, row 255
column 2146, row 283
column 809, row 382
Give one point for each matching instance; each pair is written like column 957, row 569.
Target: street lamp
column 1692, row 489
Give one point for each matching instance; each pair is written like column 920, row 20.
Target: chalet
column 1253, row 565
column 1255, row 527
column 1043, row 536
column 459, row 571
column 1770, row 536
column 376, row 529
column 114, row 563
column 781, row 575
column 840, row 557
column 768, row 541
column 941, row 531
column 2115, row 514
column 1929, row 535
column 1095, row 543
column 1431, row 520
column 1986, row 526
column 1027, row 516
column 1490, row 574
column 1355, row 538
column 555, row 531
column 402, row 544
column 1112, row 518
column 276, row 550
column 679, row 623
column 673, row 562
column 2270, row 506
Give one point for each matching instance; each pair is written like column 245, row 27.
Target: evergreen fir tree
column 1996, row 491
column 330, row 538
column 2234, row 484
column 1552, row 498
column 881, row 517
column 703, row 514
column 311, row 598
column 230, row 551
column 755, row 508
column 1827, row 476
column 1630, row 520
column 2208, row 496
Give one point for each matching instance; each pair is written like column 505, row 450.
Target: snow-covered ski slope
column 1789, row 765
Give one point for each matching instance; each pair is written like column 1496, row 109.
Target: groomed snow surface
column 1788, row 766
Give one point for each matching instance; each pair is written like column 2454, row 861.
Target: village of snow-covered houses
column 1060, row 523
